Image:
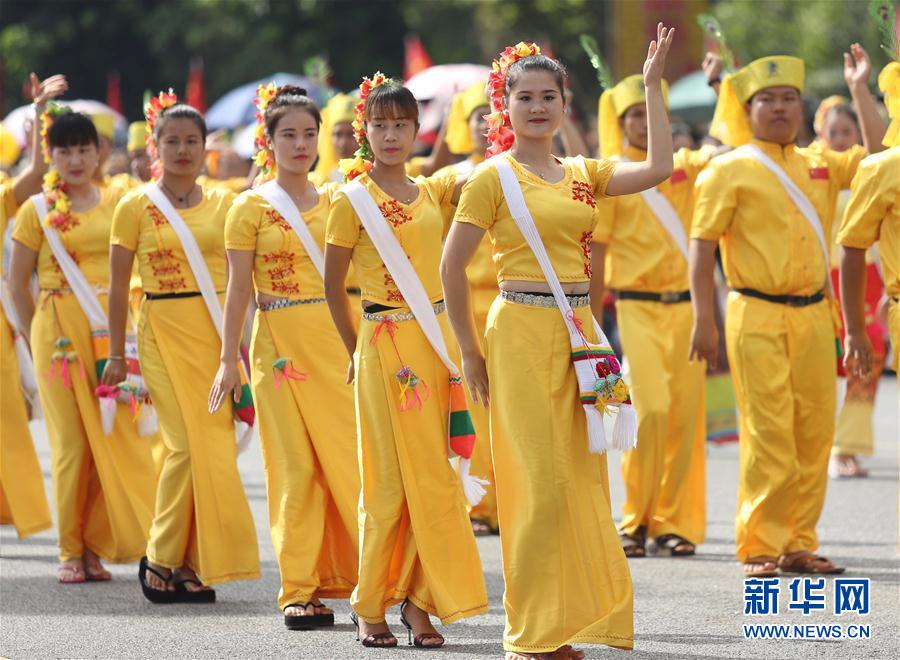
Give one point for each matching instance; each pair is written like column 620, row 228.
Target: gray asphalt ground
column 684, row 608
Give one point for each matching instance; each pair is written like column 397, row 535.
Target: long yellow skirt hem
column 209, row 581
column 625, row 643
column 25, row 533
column 400, row 596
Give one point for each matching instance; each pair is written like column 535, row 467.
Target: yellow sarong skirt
column 416, row 541
column 567, row 579
column 782, row 361
column 103, row 486
column 486, row 510
column 665, row 475
column 307, row 430
column 202, row 518
column 23, row 502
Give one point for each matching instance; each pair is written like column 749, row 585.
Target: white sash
column 625, row 430
column 666, row 214
column 84, row 292
column 807, row 210
column 278, row 198
column 398, row 265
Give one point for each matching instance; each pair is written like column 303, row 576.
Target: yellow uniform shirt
column 124, row 182
column 235, row 184
column 139, row 226
column 641, row 254
column 8, row 208
column 419, row 227
column 767, row 244
column 565, row 214
column 873, row 214
column 85, row 237
column 281, row 265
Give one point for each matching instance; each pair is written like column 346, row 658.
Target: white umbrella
column 438, row 84
column 19, row 119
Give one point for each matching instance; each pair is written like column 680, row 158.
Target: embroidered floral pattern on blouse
column 168, row 268
column 172, row 284
column 275, row 218
column 279, row 257
column 281, row 272
column 586, row 238
column 155, row 256
column 286, row 288
column 156, row 216
column 394, row 213
column 395, row 296
column 583, row 192
column 64, row 222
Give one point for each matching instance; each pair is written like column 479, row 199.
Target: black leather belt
column 666, row 297
column 790, row 301
column 353, row 291
column 168, row 296
column 375, row 308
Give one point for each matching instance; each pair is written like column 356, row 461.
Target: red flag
column 195, row 95
column 416, row 58
column 114, row 91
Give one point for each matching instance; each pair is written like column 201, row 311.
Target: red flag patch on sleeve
column 678, row 176
column 818, row 173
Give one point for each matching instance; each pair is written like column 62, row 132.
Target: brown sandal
column 761, row 572
column 372, row 641
column 672, row 545
column 804, row 563
column 635, row 544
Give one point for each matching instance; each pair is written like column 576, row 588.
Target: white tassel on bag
column 108, row 407
column 473, row 487
column 147, row 423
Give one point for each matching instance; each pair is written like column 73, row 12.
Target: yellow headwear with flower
column 889, row 84
column 500, row 134
column 730, row 123
column 105, row 125
column 458, row 136
column 264, row 158
column 137, row 136
column 613, row 104
column 339, row 109
column 822, row 111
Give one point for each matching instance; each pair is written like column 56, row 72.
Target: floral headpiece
column 58, row 215
column 152, row 110
column 362, row 157
column 50, row 113
column 500, row 135
column 264, row 158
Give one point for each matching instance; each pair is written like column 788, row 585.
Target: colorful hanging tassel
column 284, row 370
column 409, row 389
column 107, row 395
column 61, row 360
column 462, row 431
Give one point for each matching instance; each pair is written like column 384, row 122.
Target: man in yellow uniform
column 770, row 205
column 644, row 241
column 138, row 158
column 873, row 214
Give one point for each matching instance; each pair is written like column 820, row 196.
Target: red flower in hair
column 500, row 135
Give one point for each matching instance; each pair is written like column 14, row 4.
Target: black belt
column 167, row 296
column 666, row 297
column 790, row 301
column 375, row 308
column 354, row 291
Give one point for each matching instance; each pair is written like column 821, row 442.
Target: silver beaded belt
column 284, row 302
column 400, row 316
column 543, row 301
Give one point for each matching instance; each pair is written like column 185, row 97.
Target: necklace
column 180, row 199
column 534, row 169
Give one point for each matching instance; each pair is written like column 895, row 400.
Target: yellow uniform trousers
column 23, row 502
column 486, row 510
column 665, row 475
column 307, row 431
column 202, row 519
column 103, row 486
column 416, row 541
column 782, row 360
column 157, row 446
column 894, row 331
column 567, row 579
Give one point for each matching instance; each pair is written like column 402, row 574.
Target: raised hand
column 712, row 66
column 656, row 55
column 44, row 90
column 857, row 66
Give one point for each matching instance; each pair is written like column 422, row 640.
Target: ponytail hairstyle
column 272, row 103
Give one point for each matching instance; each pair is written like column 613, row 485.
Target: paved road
column 684, row 608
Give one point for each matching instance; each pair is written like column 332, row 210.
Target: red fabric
column 874, row 326
column 416, row 58
column 678, row 176
column 818, row 173
column 195, row 94
column 114, row 91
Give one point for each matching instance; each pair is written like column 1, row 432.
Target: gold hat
column 730, row 123
column 458, row 136
column 105, row 126
column 137, row 136
column 889, row 84
column 613, row 104
column 338, row 110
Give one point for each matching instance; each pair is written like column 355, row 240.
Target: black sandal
column 668, row 545
column 419, row 640
column 159, row 596
column 185, row 595
column 371, row 641
column 307, row 621
column 634, row 545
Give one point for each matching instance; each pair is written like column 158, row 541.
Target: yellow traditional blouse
column 420, row 227
column 281, row 265
column 139, row 226
column 565, row 214
column 85, row 237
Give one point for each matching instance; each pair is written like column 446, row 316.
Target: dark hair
column 179, row 111
column 844, row 109
column 394, row 100
column 71, row 129
column 536, row 63
column 286, row 98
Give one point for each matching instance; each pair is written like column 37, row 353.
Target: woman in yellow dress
column 305, row 407
column 202, row 532
column 103, row 485
column 416, row 543
column 567, row 579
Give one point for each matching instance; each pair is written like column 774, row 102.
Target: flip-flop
column 158, row 596
column 307, row 621
column 761, row 573
column 803, row 565
column 70, row 574
column 667, row 545
column 185, row 595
